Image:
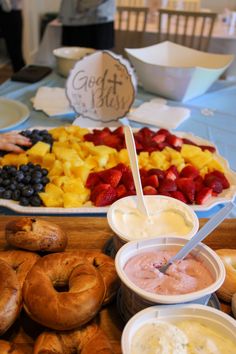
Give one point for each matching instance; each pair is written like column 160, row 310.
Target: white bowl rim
column 161, row 197
column 171, row 299
column 58, row 52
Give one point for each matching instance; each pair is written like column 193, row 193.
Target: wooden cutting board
column 94, row 233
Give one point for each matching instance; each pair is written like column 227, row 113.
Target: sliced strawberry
column 172, row 173
column 203, row 195
column 149, row 190
column 143, row 172
column 161, row 146
column 121, row 167
column 150, row 181
column 174, row 140
column 105, row 197
column 214, row 183
column 121, row 191
column 159, row 138
column 119, row 131
column 113, row 141
column 92, row 180
column 98, row 189
column 111, row 176
column 179, row 195
column 189, row 171
column 198, row 181
column 187, row 186
column 208, row 147
column 222, row 178
column 167, row 194
column 127, row 180
column 156, row 171
column 163, row 131
column 167, row 185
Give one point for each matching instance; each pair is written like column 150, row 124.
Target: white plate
column 226, row 196
column 12, row 113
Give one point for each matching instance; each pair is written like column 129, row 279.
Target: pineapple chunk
column 39, row 149
column 123, row 156
column 48, row 160
column 72, row 200
column 188, row 151
column 51, row 200
column 53, row 189
column 81, row 171
column 14, row 159
column 57, row 169
column 73, row 185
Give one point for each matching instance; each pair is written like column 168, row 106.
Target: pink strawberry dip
column 182, row 277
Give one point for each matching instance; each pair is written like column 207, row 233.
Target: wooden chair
column 130, row 25
column 131, row 3
column 186, row 5
column 189, row 28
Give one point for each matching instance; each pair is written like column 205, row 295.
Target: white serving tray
column 224, row 197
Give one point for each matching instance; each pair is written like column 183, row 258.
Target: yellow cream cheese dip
column 184, row 337
column 166, row 217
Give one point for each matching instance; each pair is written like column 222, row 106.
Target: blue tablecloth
column 219, row 128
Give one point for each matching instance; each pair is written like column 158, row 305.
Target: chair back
column 130, row 26
column 131, row 3
column 187, row 5
column 189, row 28
column 131, row 18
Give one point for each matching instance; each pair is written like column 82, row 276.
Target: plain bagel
column 20, row 261
column 228, row 288
column 34, row 234
column 87, row 340
column 71, row 307
column 10, row 297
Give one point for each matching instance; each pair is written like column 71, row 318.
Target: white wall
column 219, row 5
column 32, row 12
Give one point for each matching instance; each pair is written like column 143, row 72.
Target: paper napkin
column 52, row 101
column 156, row 112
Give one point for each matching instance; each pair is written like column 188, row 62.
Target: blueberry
column 20, row 185
column 37, row 167
column 2, row 189
column 44, row 171
column 24, row 201
column 45, row 180
column 12, row 186
column 38, row 187
column 35, row 201
column 1, row 180
column 7, row 194
column 27, row 191
column 30, row 164
column 24, row 168
column 19, row 176
column 37, row 174
column 6, row 182
column 16, row 195
column 26, row 179
column 4, row 174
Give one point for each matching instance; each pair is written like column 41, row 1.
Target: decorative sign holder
column 102, row 87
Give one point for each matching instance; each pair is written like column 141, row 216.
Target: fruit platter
column 78, row 170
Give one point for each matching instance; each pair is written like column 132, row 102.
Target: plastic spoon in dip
column 200, row 235
column 130, row 144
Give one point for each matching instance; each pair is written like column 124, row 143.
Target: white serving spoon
column 200, row 235
column 130, row 144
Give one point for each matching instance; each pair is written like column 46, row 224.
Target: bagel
column 88, row 340
column 10, row 298
column 20, row 261
column 13, row 348
column 228, row 288
column 35, row 235
column 67, row 309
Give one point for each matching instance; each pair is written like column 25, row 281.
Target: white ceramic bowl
column 135, row 299
column 210, row 317
column 159, row 205
column 66, row 57
column 177, row 72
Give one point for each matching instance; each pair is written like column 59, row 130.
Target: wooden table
column 94, row 233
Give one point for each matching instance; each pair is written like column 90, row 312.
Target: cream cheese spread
column 165, row 219
column 184, row 337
